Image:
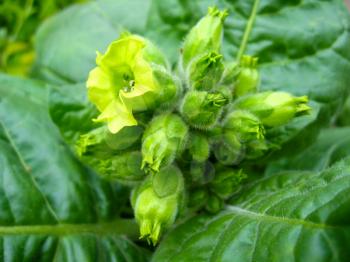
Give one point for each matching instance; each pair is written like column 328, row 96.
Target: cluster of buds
column 180, row 136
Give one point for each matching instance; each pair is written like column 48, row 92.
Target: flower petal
column 100, row 88
column 117, row 116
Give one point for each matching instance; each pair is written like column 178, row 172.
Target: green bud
column 205, row 72
column 248, row 78
column 157, row 202
column 171, row 87
column 163, row 139
column 230, row 74
column 227, row 181
column 100, row 141
column 197, row 198
column 201, row 173
column 257, row 148
column 202, row 109
column 214, row 204
column 228, row 149
column 199, row 147
column 274, row 108
column 205, row 36
column 124, row 168
column 246, row 125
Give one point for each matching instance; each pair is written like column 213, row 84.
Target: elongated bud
column 100, row 141
column 274, row 108
column 124, row 168
column 165, row 137
column 246, row 125
column 214, row 204
column 202, row 109
column 205, row 72
column 248, row 78
column 157, row 202
column 205, row 36
column 227, row 181
column 125, row 81
column 228, row 150
column 199, row 147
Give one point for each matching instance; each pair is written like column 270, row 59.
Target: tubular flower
column 123, row 81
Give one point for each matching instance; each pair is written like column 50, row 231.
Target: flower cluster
column 179, row 136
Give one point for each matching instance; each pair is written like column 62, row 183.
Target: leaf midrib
column 285, row 220
column 119, row 226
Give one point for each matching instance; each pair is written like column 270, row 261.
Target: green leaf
column 343, row 118
column 66, row 44
column 52, row 207
column 332, row 145
column 71, row 110
column 292, row 216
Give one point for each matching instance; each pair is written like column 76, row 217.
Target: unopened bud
column 274, row 108
column 163, row 139
column 227, row 181
column 157, row 203
column 214, row 204
column 205, row 72
column 205, row 36
column 228, row 149
column 100, row 141
column 124, row 168
column 248, row 77
column 199, row 147
column 246, row 125
column 202, row 109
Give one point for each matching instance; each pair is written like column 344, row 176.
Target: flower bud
column 246, row 125
column 214, row 204
column 248, row 78
column 165, row 137
column 228, row 150
column 200, row 173
column 124, row 81
column 199, row 147
column 230, row 74
column 124, row 168
column 257, row 148
column 100, row 141
column 227, row 181
column 202, row 109
column 205, row 36
column 205, row 72
column 157, row 202
column 197, row 198
column 274, row 108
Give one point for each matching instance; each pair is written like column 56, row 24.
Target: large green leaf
column 332, row 145
column 52, row 207
column 71, row 110
column 293, row 216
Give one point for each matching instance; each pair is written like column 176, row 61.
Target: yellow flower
column 123, row 81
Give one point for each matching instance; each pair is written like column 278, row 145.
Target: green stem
column 126, row 227
column 248, row 30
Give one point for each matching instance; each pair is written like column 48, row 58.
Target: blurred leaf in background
column 19, row 20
